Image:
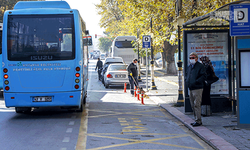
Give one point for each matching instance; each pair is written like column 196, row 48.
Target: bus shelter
column 209, row 35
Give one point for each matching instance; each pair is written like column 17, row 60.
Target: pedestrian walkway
column 219, row 130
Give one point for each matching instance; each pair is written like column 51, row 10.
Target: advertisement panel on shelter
column 214, row 45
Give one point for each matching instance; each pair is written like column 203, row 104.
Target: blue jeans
column 132, row 83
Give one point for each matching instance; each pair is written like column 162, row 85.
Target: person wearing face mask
column 194, row 77
column 132, row 75
column 210, row 78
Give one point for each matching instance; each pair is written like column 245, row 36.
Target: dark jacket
column 132, row 68
column 195, row 76
column 98, row 64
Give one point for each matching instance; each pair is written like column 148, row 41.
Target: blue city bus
column 1, row 73
column 45, row 62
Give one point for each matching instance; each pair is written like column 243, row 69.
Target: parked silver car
column 116, row 74
column 107, row 62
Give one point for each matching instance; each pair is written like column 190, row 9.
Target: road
column 111, row 119
column 115, row 120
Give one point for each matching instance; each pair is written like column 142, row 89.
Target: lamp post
column 178, row 23
column 153, row 86
column 180, row 101
column 139, row 66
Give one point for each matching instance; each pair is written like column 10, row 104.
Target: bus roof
column 122, row 38
column 41, row 4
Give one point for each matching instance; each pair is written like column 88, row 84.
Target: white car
column 116, row 74
column 103, row 56
column 158, row 62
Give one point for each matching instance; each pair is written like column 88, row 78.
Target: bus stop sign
column 239, row 20
column 146, row 41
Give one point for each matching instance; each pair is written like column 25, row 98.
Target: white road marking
column 66, row 139
column 69, row 130
column 71, row 123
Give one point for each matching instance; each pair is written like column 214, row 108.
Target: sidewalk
column 219, row 130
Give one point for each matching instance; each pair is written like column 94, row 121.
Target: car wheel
column 102, row 80
column 106, row 85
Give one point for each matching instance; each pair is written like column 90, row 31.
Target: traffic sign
column 146, row 41
column 239, row 20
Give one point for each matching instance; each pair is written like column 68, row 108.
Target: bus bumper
column 30, row 99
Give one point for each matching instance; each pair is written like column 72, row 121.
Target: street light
column 139, row 66
column 153, row 86
column 177, row 24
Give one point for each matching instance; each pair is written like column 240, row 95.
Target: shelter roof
column 216, row 18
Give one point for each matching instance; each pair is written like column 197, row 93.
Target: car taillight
column 109, row 76
column 5, row 76
column 77, row 74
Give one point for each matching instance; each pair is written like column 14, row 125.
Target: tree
column 8, row 5
column 120, row 17
column 104, row 44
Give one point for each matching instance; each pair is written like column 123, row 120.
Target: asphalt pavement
column 218, row 130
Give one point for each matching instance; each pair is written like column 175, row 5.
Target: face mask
column 192, row 61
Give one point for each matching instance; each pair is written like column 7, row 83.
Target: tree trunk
column 169, row 51
column 163, row 57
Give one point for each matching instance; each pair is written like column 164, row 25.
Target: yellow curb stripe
column 82, row 136
column 170, row 82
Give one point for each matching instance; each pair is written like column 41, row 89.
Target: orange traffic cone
column 125, row 87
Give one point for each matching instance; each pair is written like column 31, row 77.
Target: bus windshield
column 124, row 44
column 40, row 37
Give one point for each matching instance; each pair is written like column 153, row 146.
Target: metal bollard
column 142, row 101
column 138, row 94
column 125, row 87
column 135, row 91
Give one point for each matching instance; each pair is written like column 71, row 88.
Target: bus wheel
column 23, row 109
column 81, row 107
column 82, row 104
column 1, row 93
column 84, row 99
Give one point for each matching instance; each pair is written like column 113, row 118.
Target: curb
column 204, row 133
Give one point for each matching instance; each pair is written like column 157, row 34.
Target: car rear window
column 118, row 68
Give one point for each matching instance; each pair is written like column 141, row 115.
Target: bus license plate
column 42, row 99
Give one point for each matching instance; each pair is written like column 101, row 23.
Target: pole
column 180, row 101
column 139, row 66
column 153, row 87
column 146, row 69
